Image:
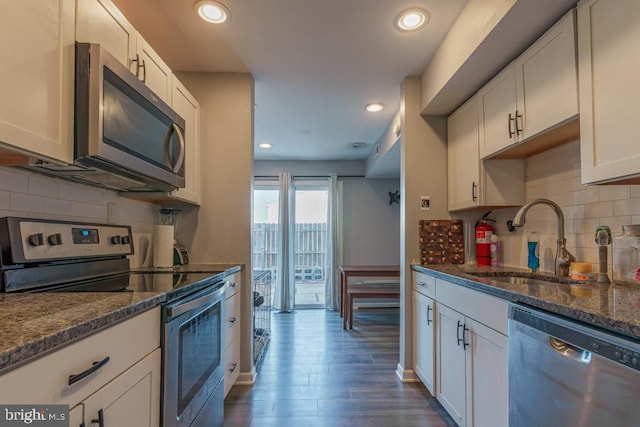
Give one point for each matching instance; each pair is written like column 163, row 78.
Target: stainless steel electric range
column 38, row 255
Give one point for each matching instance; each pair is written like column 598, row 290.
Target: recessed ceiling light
column 305, row 131
column 264, row 145
column 212, row 11
column 411, row 19
column 374, row 107
column 358, row 144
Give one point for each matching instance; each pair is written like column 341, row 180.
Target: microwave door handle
column 177, row 164
column 180, row 160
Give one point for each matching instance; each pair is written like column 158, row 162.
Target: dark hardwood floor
column 316, row 374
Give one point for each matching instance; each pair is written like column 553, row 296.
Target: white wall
column 220, row 229
column 309, row 167
column 555, row 175
column 423, row 167
column 371, row 227
column 28, row 194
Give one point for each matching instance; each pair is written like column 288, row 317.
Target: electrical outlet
column 112, row 213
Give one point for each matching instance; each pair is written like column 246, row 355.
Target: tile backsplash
column 28, row 194
column 555, row 175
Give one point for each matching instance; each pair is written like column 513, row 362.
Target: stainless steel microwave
column 121, row 126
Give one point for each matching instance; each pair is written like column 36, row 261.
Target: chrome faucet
column 563, row 256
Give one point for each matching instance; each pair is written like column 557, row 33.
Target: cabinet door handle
column 464, row 336
column 460, row 325
column 518, row 128
column 511, row 132
column 233, row 367
column 233, row 284
column 144, row 71
column 429, row 309
column 474, row 191
column 82, row 375
column 100, row 420
column 137, row 62
column 233, row 320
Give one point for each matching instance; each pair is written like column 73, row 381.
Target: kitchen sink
column 522, row 278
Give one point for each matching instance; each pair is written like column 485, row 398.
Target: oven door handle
column 202, row 299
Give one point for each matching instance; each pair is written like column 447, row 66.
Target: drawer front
column 233, row 284
column 232, row 319
column 483, row 308
column 424, row 284
column 232, row 365
column 46, row 380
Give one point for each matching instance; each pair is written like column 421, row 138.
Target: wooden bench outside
column 369, row 290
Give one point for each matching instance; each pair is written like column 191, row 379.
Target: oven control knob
column 115, row 240
column 126, row 240
column 36, row 239
column 55, row 239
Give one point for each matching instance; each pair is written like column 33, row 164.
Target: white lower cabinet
column 125, row 389
column 130, row 400
column 424, row 340
column 472, row 370
column 451, row 364
column 232, row 331
column 460, row 334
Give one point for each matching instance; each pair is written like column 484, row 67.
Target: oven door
column 193, row 364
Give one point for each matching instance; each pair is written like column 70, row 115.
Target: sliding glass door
column 310, row 241
column 291, row 239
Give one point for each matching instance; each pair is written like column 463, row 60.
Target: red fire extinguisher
column 483, row 240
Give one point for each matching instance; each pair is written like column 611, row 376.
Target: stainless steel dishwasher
column 563, row 373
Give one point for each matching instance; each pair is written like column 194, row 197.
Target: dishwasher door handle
column 570, row 351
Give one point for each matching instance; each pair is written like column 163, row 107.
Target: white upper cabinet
column 100, row 21
column 188, row 108
column 463, row 157
column 475, row 183
column 37, row 77
column 152, row 70
column 608, row 35
column 534, row 94
column 547, row 80
column 498, row 112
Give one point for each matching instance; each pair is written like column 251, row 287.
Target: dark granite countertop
column 33, row 324
column 615, row 306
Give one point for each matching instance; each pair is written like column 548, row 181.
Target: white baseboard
column 406, row 375
column 247, row 378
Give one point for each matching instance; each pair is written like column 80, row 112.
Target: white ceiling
column 315, row 63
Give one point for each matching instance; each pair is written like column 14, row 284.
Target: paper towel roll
column 163, row 245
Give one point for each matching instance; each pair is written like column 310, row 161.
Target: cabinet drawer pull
column 429, row 309
column 233, row 320
column 100, row 420
column 421, row 283
column 233, row 367
column 233, row 284
column 82, row 375
column 511, row 132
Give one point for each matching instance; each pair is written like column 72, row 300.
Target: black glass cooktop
column 174, row 284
